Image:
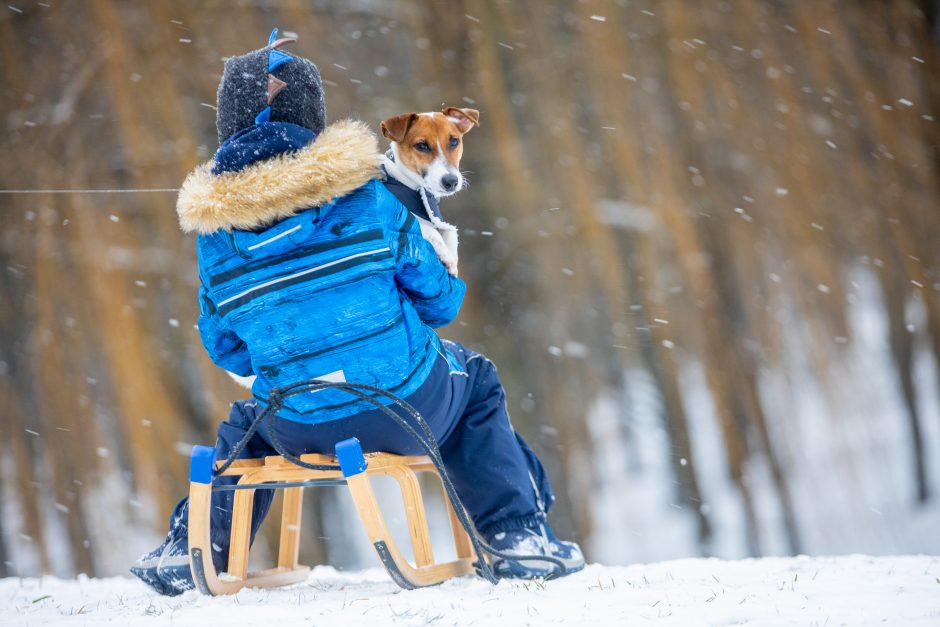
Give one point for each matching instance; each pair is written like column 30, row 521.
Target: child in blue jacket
column 310, row 268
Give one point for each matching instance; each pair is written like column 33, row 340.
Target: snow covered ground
column 855, row 590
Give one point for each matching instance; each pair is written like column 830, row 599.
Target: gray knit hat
column 269, row 85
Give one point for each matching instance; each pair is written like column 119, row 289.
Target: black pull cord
column 426, row 440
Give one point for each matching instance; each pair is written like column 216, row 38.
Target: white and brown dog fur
column 425, row 156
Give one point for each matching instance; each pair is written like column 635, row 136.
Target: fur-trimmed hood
column 344, row 157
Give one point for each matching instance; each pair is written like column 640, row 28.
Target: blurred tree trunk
column 756, row 156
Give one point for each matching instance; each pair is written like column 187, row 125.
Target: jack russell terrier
column 425, row 158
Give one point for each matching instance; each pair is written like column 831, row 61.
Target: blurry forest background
column 701, row 242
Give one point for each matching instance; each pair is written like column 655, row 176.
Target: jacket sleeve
column 225, row 348
column 435, row 293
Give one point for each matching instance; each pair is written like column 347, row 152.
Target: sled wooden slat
column 274, row 470
column 241, row 533
column 398, row 568
column 289, row 543
column 414, row 512
column 241, row 465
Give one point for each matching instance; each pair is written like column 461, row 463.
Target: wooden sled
column 282, row 474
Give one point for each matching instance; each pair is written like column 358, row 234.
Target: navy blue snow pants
column 499, row 479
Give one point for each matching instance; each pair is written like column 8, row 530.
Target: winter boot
column 166, row 568
column 534, row 541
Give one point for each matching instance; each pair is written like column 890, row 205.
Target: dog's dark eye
column 454, row 142
column 422, row 147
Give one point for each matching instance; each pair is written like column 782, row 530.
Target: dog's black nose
column 449, row 182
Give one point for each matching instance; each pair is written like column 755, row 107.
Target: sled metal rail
column 315, row 483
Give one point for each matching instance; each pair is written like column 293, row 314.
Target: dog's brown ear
column 397, row 127
column 465, row 119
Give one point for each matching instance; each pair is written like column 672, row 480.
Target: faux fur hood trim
column 344, row 157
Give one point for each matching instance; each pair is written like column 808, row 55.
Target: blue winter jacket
column 310, row 268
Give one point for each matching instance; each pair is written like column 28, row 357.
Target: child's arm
column 435, row 294
column 225, row 348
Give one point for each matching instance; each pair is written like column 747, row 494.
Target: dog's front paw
column 451, row 265
column 449, row 259
column 449, row 256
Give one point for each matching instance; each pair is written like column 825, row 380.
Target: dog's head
column 429, row 146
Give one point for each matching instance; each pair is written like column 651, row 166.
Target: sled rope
column 428, row 442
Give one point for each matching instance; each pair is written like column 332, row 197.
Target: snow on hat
column 269, row 85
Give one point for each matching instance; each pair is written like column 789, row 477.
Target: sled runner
column 280, row 473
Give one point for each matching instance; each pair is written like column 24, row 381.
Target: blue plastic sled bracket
column 201, row 464
column 351, row 460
